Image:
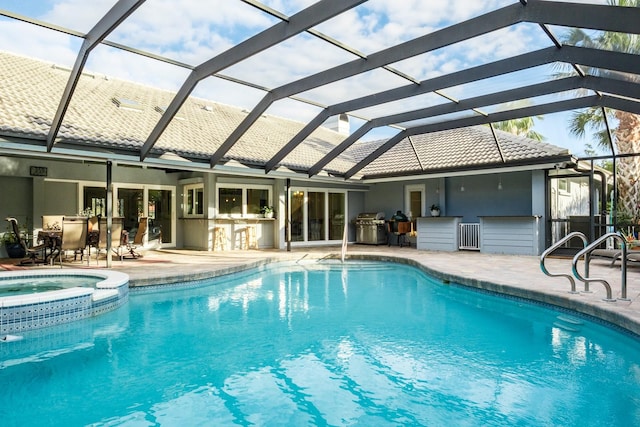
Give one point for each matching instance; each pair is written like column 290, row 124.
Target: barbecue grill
column 370, row 228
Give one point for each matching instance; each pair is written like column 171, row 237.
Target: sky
column 193, row 31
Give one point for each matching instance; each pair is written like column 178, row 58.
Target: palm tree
column 626, row 134
column 520, row 127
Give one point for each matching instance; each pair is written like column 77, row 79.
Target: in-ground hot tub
column 105, row 290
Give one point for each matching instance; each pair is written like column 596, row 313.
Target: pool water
column 362, row 344
column 32, row 285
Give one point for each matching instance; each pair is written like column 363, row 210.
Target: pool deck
column 518, row 276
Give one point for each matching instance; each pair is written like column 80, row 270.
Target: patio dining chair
column 138, row 239
column 31, row 252
column 74, row 237
column 116, row 236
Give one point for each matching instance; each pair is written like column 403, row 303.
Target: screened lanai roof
column 399, row 70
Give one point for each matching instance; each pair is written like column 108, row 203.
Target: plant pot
column 15, row 250
column 268, row 215
column 435, row 212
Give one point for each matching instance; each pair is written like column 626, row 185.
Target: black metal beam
column 617, row 87
column 537, row 110
column 540, row 12
column 591, row 57
column 109, row 22
column 623, row 104
column 462, row 105
column 301, row 21
column 335, row 152
column 456, row 33
column 581, row 15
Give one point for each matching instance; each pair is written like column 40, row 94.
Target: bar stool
column 219, row 239
column 250, row 241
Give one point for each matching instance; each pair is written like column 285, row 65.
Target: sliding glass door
column 317, row 215
column 160, row 213
column 131, row 203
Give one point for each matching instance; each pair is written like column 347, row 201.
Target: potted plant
column 12, row 245
column 435, row 210
column 267, row 211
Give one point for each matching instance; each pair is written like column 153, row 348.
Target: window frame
column 192, row 188
column 244, row 188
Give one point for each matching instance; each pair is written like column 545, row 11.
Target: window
column 563, row 185
column 230, row 201
column 194, row 200
column 94, row 200
column 257, row 198
column 243, row 200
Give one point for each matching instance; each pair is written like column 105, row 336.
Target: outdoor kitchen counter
column 438, row 233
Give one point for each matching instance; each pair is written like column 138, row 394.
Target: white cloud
column 28, row 40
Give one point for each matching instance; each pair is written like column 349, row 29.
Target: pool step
column 570, row 319
column 565, row 327
column 568, row 323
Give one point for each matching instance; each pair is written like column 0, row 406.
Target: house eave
column 562, row 161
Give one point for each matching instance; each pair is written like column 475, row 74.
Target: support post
column 109, row 208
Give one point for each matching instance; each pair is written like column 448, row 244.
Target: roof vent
column 127, row 104
column 207, row 108
column 339, row 123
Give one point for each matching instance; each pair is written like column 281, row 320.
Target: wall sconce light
column 500, row 184
column 462, row 186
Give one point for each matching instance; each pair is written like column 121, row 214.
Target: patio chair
column 116, row 236
column 31, row 252
column 633, row 255
column 74, row 237
column 138, row 239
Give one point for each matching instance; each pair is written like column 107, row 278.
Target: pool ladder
column 584, row 253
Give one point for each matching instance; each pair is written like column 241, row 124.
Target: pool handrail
column 343, row 250
column 623, row 265
column 555, row 246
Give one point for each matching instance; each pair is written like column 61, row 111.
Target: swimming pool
column 317, row 344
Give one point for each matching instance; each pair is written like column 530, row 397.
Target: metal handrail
column 556, row 246
column 587, row 250
column 343, row 251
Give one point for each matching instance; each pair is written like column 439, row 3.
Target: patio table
column 53, row 242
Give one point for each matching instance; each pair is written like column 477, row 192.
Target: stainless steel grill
column 370, row 228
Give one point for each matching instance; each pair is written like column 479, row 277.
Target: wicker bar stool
column 219, row 239
column 250, row 239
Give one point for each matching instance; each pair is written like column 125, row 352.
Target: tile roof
column 470, row 147
column 30, row 91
